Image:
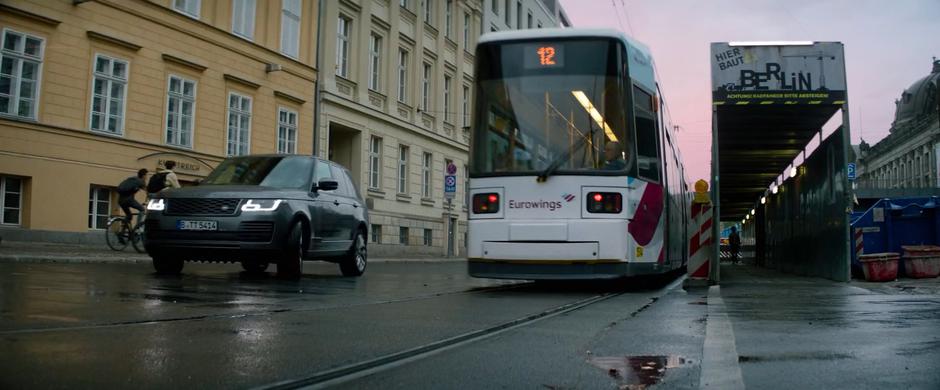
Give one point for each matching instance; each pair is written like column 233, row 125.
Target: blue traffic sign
column 450, row 186
column 850, row 172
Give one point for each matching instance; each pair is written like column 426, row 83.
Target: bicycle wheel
column 137, row 239
column 116, row 233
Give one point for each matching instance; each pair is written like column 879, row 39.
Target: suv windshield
column 551, row 106
column 292, row 172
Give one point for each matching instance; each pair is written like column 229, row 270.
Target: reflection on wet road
column 97, row 325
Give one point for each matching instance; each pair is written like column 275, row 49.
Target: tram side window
column 646, row 136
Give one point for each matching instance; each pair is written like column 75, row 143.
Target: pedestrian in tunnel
column 734, row 240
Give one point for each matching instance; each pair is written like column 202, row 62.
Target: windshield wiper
column 563, row 158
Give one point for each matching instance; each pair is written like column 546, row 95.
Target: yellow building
column 91, row 91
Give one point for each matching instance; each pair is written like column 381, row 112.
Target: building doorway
column 343, row 148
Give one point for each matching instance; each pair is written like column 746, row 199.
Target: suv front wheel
column 354, row 263
column 291, row 263
column 167, row 265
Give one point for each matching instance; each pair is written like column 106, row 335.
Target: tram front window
column 551, row 107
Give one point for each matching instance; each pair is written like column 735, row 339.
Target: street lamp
column 763, row 199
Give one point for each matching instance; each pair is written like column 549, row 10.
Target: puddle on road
column 638, row 372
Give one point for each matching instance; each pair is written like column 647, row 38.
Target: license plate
column 197, row 225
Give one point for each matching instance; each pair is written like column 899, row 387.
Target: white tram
column 574, row 168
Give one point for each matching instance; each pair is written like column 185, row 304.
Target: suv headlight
column 156, row 205
column 261, row 205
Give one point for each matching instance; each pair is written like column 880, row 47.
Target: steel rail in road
column 361, row 369
column 261, row 312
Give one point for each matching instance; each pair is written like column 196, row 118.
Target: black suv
column 258, row 210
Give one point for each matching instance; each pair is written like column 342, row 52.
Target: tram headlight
column 486, row 203
column 605, row 202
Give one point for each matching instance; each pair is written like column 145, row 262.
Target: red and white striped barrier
column 700, row 244
column 859, row 243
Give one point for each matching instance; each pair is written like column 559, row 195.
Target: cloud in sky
column 888, row 46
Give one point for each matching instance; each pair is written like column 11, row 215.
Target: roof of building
column 918, row 100
column 917, row 108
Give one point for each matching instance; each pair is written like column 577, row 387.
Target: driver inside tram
column 614, row 157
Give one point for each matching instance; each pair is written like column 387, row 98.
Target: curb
column 46, row 259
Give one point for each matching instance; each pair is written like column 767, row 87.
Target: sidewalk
column 39, row 252
column 790, row 331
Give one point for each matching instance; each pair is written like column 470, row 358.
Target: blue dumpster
column 892, row 223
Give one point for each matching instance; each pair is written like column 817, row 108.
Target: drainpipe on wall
column 317, row 84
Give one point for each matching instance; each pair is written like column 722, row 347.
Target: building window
column 290, row 27
column 426, row 87
column 342, row 46
column 540, row 24
column 375, row 162
column 529, row 20
column 466, row 31
column 11, row 201
column 427, row 237
column 466, row 106
column 375, row 52
column 426, row 175
column 286, row 131
column 403, row 235
column 187, row 7
column 448, row 18
column 519, row 15
column 239, row 124
column 99, row 207
column 402, row 75
column 108, row 95
column 180, row 108
column 428, row 14
column 508, row 16
column 402, row 169
column 376, row 234
column 494, row 5
column 447, row 112
column 243, row 18
column 403, row 3
column 20, row 64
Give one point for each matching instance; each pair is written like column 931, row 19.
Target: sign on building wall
column 778, row 74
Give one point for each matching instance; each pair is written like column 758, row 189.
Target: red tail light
column 485, row 203
column 605, row 202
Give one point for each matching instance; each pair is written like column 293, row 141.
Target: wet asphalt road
column 120, row 325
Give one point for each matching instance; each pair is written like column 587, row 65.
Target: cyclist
column 126, row 196
column 162, row 179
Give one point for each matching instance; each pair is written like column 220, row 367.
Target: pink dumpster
column 880, row 267
column 921, row 261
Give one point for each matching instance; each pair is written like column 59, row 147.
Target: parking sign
column 850, row 172
column 450, row 186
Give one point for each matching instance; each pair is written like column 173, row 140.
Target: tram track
column 349, row 372
column 352, row 371
column 258, row 313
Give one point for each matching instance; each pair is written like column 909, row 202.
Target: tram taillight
column 605, row 202
column 485, row 203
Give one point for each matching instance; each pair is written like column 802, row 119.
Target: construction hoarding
column 811, row 73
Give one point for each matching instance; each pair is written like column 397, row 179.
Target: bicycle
column 119, row 234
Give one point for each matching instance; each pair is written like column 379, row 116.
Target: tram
column 574, row 167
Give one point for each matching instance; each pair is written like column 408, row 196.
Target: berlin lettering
column 541, row 204
column 757, row 80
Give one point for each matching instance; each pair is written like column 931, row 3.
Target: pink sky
column 888, row 46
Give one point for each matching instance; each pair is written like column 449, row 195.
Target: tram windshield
column 549, row 107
